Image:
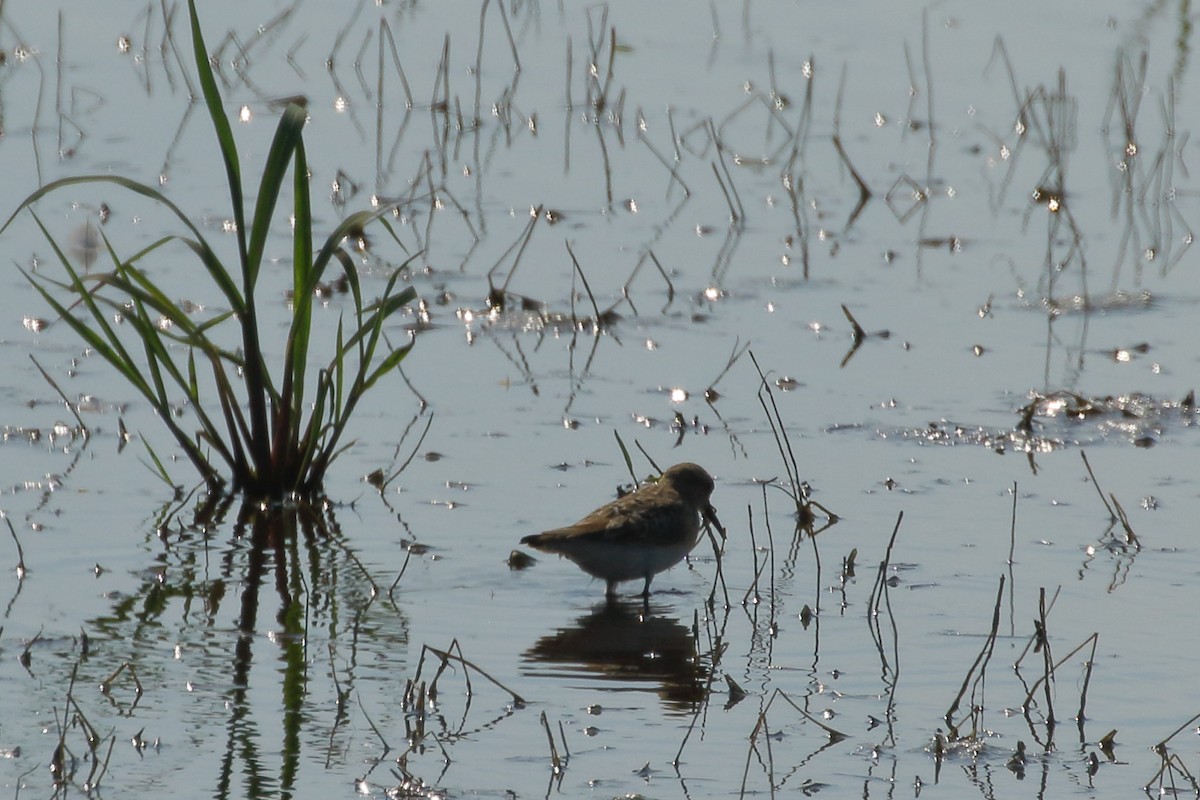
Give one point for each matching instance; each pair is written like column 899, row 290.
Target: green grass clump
column 262, row 435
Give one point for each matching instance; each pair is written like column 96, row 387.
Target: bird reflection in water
column 627, row 643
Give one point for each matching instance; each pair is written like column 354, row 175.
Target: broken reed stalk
column 512, row 46
column 94, row 782
column 626, row 456
column 1170, row 764
column 1048, row 666
column 420, row 397
column 733, row 214
column 1111, row 514
column 106, row 685
column 1081, row 715
column 342, row 696
column 857, row 333
column 385, row 31
column 768, row 561
column 1093, row 640
column 21, row 569
column 70, row 407
column 26, row 657
column 734, row 356
column 746, row 767
column 557, row 763
column 880, row 588
column 383, row 484
column 1012, row 531
column 446, row 657
column 605, row 159
column 758, row 568
column 834, row 734
column 562, row 737
column 770, row 556
column 782, row 443
column 73, row 716
column 454, row 645
column 1130, row 536
column 586, row 286
column 649, row 458
column 737, row 212
column 864, row 191
column 441, row 79
column 881, row 595
column 568, row 76
column 675, row 762
column 387, row 748
column 715, row 651
column 594, row 95
column 718, row 547
column 665, row 277
column 519, row 245
column 925, row 65
column 93, row 742
column 718, row 554
column 1178, row 731
column 416, row 702
column 403, row 567
column 980, row 663
column 762, row 729
column 672, row 169
column 58, row 759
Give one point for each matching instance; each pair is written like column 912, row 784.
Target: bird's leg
column 646, row 589
column 610, row 590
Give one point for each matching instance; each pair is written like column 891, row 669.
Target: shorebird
column 638, row 535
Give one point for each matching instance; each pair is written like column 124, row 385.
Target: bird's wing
column 619, row 522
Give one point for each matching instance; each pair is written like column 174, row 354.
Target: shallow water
column 976, row 284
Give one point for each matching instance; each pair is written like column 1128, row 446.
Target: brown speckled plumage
column 640, row 534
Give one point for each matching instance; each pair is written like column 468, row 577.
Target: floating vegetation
column 1057, row 420
column 949, row 434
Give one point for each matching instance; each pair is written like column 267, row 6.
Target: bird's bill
column 710, row 516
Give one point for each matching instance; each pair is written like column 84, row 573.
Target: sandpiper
column 640, row 534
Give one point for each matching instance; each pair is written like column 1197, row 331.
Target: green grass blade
column 347, row 227
column 387, row 365
column 158, row 357
column 106, row 343
column 628, row 459
column 95, row 341
column 158, row 469
column 216, row 269
column 300, row 333
column 235, row 422
column 387, row 306
column 374, row 324
column 262, row 434
column 225, row 141
column 287, row 139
